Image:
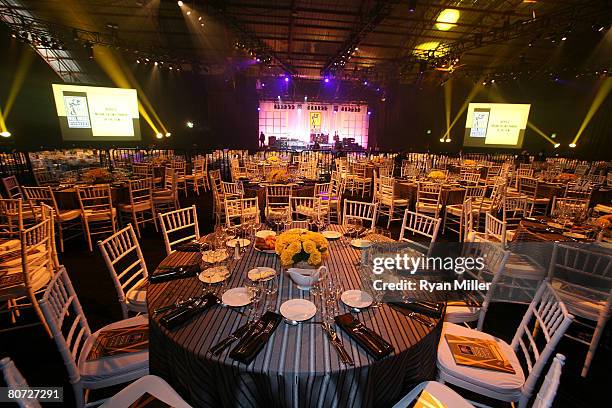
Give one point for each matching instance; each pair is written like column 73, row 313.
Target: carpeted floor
column 39, row 361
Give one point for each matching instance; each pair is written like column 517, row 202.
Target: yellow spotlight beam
column 25, row 61
column 2, row 124
column 448, row 93
column 467, row 101
column 540, row 132
column 123, row 78
column 498, row 98
column 600, row 96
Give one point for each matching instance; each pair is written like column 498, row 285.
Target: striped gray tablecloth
column 297, row 367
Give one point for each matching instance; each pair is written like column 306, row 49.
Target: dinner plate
column 298, row 309
column 361, row 243
column 215, row 274
column 243, row 242
column 554, row 225
column 263, row 234
column 218, row 255
column 331, row 234
column 261, row 273
column 356, row 298
column 236, row 297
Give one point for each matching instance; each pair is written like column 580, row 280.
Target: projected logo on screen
column 496, row 125
column 77, row 112
column 89, row 113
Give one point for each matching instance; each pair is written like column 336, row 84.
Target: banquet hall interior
column 305, row 203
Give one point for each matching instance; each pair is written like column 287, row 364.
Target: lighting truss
column 536, row 27
column 247, row 39
column 63, row 62
column 378, row 13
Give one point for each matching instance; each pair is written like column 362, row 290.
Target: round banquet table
column 297, row 366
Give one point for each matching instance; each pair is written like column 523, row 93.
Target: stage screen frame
column 97, row 106
column 496, row 119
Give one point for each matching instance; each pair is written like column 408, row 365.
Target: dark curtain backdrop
column 224, row 108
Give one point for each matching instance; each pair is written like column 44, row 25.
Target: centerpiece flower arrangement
column 436, row 175
column 273, row 160
column 299, row 245
column 604, row 221
column 278, row 176
column 97, row 175
column 160, row 160
column 469, row 162
column 377, row 160
column 567, row 177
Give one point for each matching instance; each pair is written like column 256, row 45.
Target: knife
column 223, row 344
column 335, row 341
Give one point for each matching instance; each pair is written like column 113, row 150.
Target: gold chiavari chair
column 66, row 220
column 166, row 198
column 97, row 211
column 140, row 207
column 389, row 203
column 12, row 187
column 429, row 198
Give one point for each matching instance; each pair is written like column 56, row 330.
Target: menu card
column 479, row 353
column 123, row 340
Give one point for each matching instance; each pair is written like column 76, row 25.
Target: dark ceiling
column 377, row 40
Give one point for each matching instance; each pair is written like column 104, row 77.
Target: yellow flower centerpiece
column 567, row 177
column 299, row 245
column 604, row 221
column 278, row 176
column 97, row 175
column 436, row 175
column 469, row 162
column 273, row 160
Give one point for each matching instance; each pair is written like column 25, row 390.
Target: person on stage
column 262, row 140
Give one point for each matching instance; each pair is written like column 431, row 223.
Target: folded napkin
column 430, row 309
column 253, row 341
column 189, row 247
column 165, row 273
column 184, row 313
column 366, row 338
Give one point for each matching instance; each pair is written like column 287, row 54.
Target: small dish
column 298, row 310
column 215, row 274
column 218, row 255
column 263, row 234
column 357, row 299
column 236, row 297
column 361, row 243
column 241, row 242
column 331, row 234
column 261, row 274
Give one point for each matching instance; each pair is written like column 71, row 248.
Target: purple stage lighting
column 286, row 79
column 327, row 80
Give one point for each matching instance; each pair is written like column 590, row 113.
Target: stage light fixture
column 552, row 136
column 159, row 135
column 563, row 38
column 369, row 112
column 286, row 79
column 188, row 12
column 190, row 124
column 326, row 80
column 572, row 145
column 168, row 134
column 557, row 145
column 412, row 5
column 442, row 140
column 6, row 133
column 180, row 3
column 447, row 140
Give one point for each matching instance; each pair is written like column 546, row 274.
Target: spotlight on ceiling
column 447, row 140
column 572, row 145
column 168, row 134
column 180, row 3
column 442, row 140
column 6, row 133
column 188, row 12
column 326, row 80
column 412, row 5
column 447, row 19
column 557, row 145
column 190, row 124
column 159, row 135
column 563, row 38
